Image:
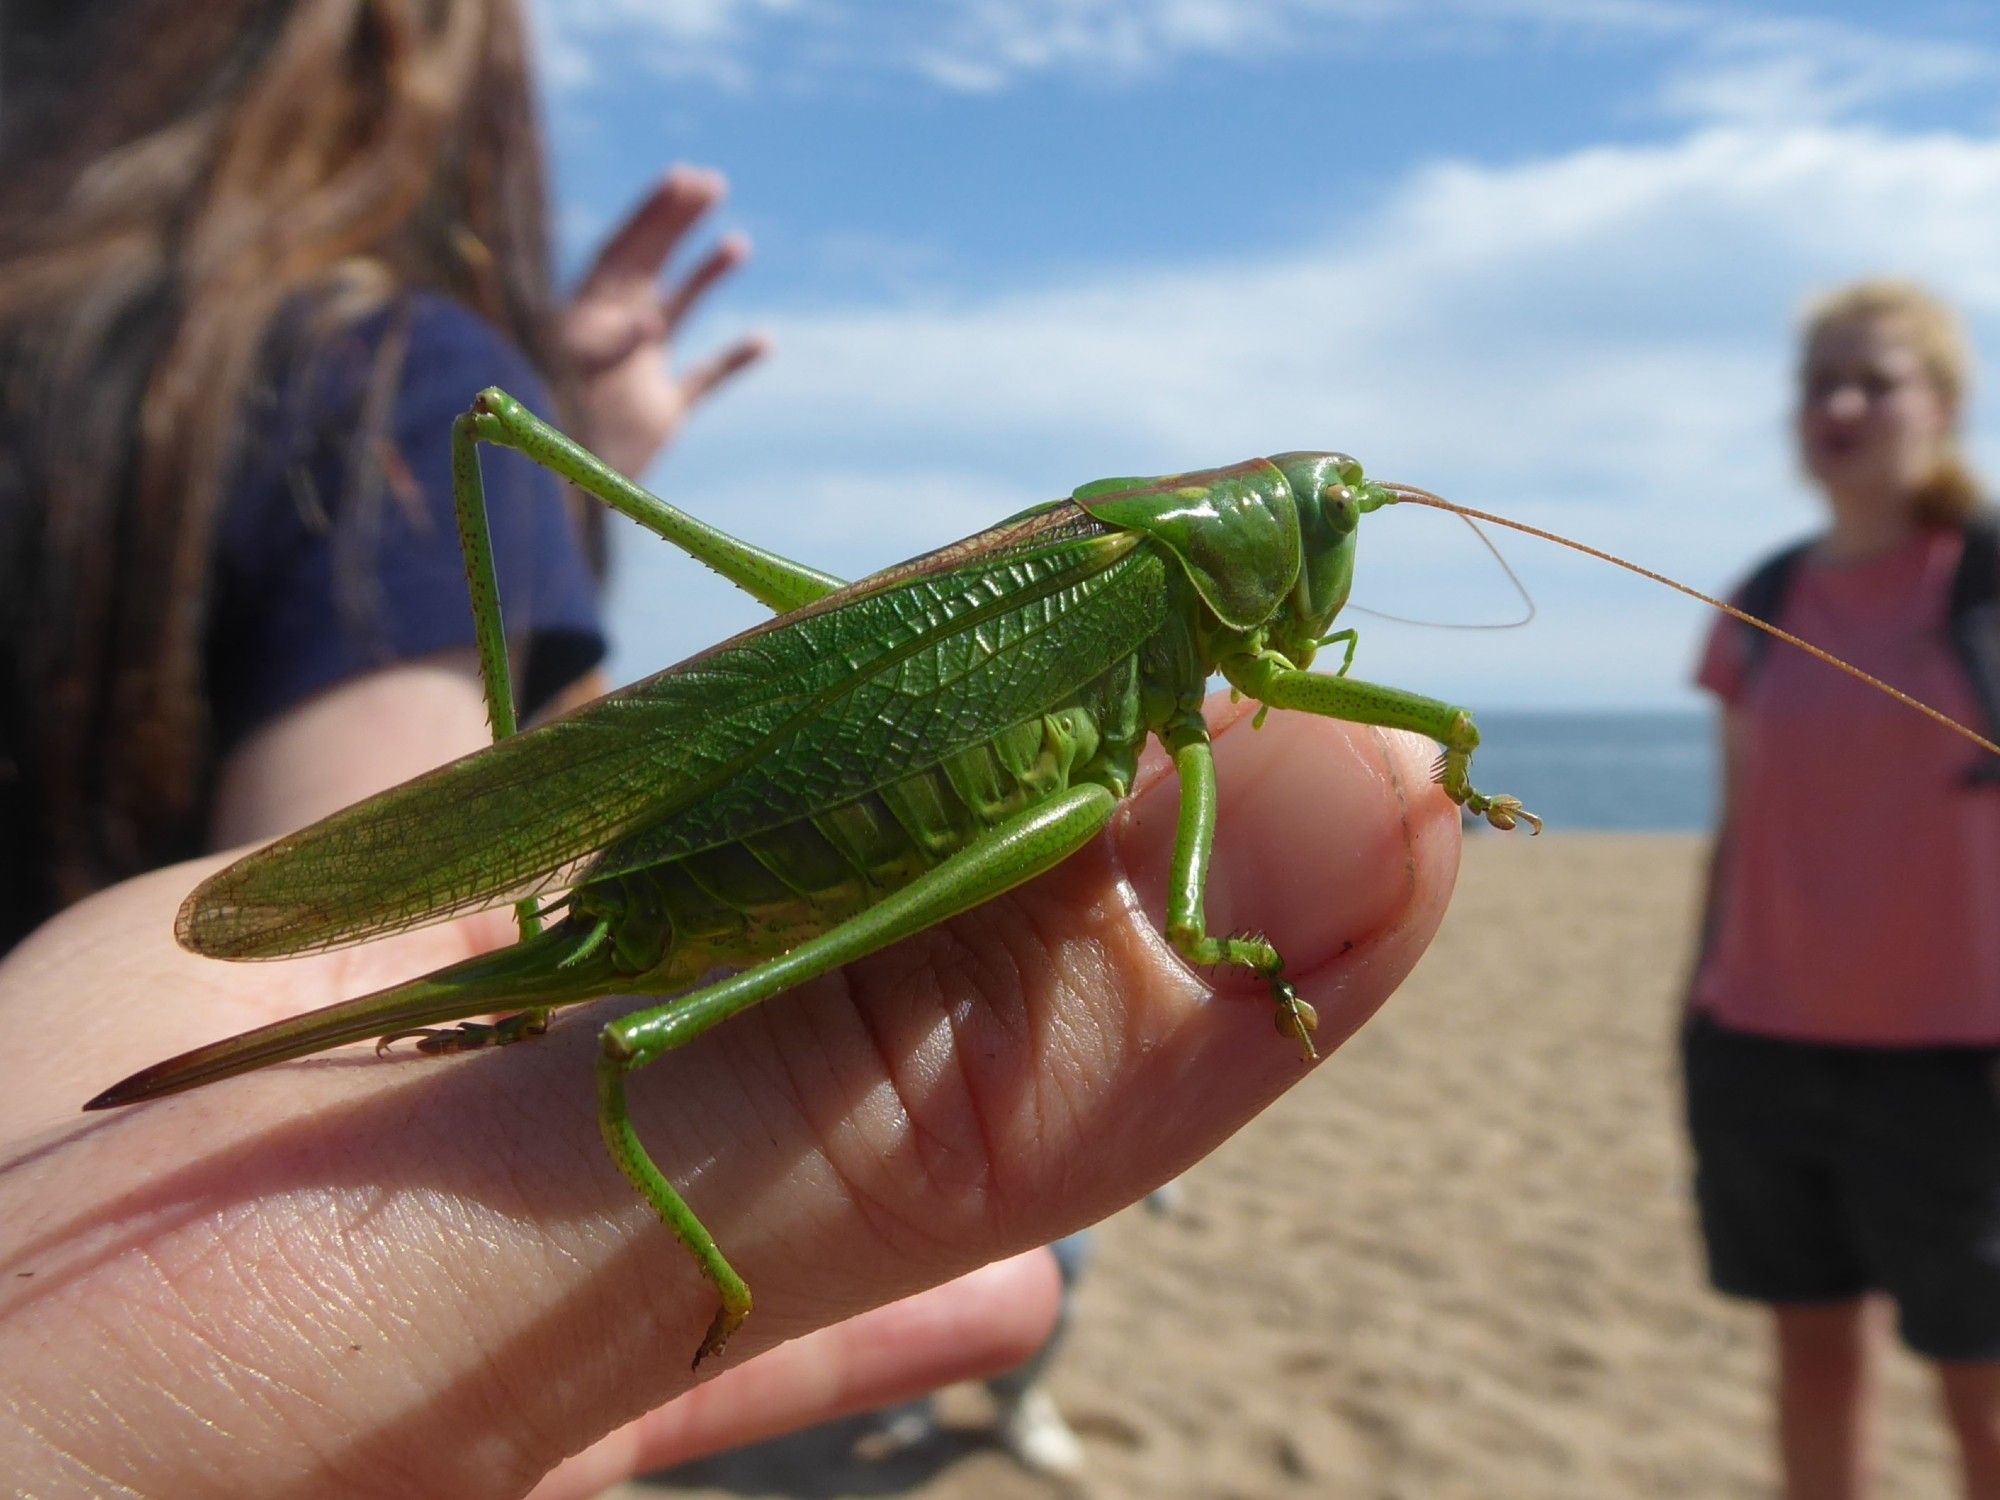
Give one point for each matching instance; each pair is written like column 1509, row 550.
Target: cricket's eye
column 1342, row 511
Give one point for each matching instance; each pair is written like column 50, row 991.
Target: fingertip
column 1360, row 829
column 682, row 180
column 1331, row 840
column 995, row 1317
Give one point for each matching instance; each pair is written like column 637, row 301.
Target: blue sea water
column 1651, row 772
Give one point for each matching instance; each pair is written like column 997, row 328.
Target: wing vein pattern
column 799, row 714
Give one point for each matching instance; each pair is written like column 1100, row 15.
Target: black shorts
column 1823, row 1172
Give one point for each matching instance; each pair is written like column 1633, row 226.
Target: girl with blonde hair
column 1843, row 1044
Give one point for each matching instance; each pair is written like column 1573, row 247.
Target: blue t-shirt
column 328, row 567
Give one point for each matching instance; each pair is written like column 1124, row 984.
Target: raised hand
column 619, row 327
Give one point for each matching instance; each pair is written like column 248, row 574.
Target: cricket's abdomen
column 751, row 898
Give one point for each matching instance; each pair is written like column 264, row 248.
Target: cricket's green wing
column 801, row 713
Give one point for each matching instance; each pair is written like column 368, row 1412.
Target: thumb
column 1331, row 840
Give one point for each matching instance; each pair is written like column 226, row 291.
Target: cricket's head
column 1331, row 495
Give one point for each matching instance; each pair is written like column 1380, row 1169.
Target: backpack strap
column 1763, row 595
column 1972, row 615
column 1974, row 623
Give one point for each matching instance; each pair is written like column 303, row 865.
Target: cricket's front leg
column 1350, row 639
column 1272, row 680
column 1187, row 926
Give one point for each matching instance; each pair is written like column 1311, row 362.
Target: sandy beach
column 1457, row 1262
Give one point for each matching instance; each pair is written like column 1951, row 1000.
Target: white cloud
column 697, row 39
column 1777, row 72
column 987, row 43
column 1596, row 342
column 1714, row 62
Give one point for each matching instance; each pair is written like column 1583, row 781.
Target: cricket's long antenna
column 1410, row 493
column 1505, row 567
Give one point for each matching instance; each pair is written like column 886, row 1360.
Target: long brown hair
column 179, row 174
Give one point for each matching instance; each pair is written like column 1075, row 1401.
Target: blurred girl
column 1845, row 1024
column 255, row 256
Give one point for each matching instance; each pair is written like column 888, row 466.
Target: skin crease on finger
column 312, row 1272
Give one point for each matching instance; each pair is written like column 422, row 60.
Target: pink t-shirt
column 1860, row 881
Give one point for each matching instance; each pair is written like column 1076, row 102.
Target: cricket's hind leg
column 496, row 417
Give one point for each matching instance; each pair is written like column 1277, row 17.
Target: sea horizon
column 1603, row 770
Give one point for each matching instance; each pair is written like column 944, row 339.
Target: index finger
column 442, row 1246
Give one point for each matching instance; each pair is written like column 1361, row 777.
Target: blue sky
column 1542, row 256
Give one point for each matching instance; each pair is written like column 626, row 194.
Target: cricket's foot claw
column 1507, row 813
column 435, row 1040
column 469, row 1036
column 720, row 1327
column 1295, row 1018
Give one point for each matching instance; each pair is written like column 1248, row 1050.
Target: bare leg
column 1972, row 1402
column 1826, row 1365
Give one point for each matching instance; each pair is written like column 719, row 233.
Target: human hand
column 620, row 322
column 424, row 1276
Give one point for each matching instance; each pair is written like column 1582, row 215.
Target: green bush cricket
column 879, row 757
